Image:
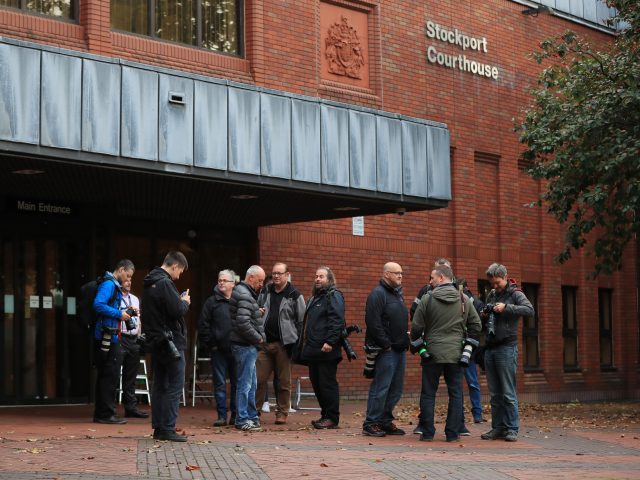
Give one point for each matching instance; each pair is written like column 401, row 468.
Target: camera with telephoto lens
column 171, row 347
column 107, row 334
column 130, row 322
column 469, row 345
column 371, row 353
column 490, row 324
column 419, row 346
column 346, row 345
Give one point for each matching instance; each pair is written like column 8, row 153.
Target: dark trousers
column 325, row 386
column 168, row 382
column 431, row 373
column 130, row 367
column 108, row 366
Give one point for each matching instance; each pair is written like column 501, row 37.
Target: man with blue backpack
column 106, row 335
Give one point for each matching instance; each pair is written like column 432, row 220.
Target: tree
column 582, row 135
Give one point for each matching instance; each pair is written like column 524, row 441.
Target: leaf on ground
column 192, row 467
column 324, row 465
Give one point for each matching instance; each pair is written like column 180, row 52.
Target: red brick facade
column 487, row 220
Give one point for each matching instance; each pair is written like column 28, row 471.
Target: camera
column 469, row 345
column 490, row 324
column 371, row 353
column 130, row 322
column 419, row 346
column 346, row 345
column 171, row 347
column 107, row 334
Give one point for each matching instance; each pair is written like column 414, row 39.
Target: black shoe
column 419, row 430
column 168, row 436
column 464, row 432
column 391, row 429
column 493, row 434
column 426, row 438
column 479, row 420
column 221, row 422
column 325, row 424
column 136, row 414
column 453, row 439
column 373, row 430
column 112, row 420
column 511, row 436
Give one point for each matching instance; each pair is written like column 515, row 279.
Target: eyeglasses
column 397, row 273
column 222, row 280
column 278, row 274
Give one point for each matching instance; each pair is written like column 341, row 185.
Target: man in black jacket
column 320, row 345
column 214, row 328
column 386, row 317
column 247, row 333
column 166, row 331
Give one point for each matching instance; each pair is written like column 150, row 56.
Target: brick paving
column 62, row 443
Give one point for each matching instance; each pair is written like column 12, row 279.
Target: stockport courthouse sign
column 464, row 42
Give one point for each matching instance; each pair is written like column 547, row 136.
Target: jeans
column 222, row 364
column 245, row 364
column 431, row 373
column 326, row 388
column 386, row 387
column 471, row 375
column 168, row 382
column 501, row 364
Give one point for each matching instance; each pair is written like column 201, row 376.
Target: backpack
column 88, row 291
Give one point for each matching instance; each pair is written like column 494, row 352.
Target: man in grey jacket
column 283, row 313
column 501, row 354
column 446, row 318
column 246, row 334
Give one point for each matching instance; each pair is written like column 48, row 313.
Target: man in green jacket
column 445, row 318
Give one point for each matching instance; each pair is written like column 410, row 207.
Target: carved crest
column 343, row 51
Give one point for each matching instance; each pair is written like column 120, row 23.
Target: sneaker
column 478, row 420
column 373, row 430
column 391, row 429
column 169, row 436
column 426, row 438
column 221, row 422
column 249, row 427
column 265, row 407
column 325, row 424
column 493, row 434
column 464, row 432
column 511, row 436
column 419, row 430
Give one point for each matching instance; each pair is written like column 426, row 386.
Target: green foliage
column 582, row 135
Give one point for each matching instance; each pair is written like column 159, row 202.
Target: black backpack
column 88, row 291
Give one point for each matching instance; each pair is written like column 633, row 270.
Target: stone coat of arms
column 343, row 50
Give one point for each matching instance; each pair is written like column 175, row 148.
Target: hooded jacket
column 107, row 314
column 214, row 324
column 516, row 305
column 246, row 321
column 323, row 323
column 290, row 314
column 445, row 323
column 163, row 310
column 387, row 318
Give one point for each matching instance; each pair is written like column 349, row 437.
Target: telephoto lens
column 419, row 346
column 105, row 343
column 469, row 345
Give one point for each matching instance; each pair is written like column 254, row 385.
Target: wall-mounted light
column 535, row 11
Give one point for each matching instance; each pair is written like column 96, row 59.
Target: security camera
column 401, row 210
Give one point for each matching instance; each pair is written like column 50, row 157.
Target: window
column 570, row 328
column 606, row 336
column 531, row 352
column 53, row 8
column 211, row 24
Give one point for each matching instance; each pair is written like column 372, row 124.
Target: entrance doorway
column 44, row 347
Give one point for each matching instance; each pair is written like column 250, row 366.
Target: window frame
column 22, row 8
column 570, row 333
column 152, row 27
column 531, row 332
column 605, row 334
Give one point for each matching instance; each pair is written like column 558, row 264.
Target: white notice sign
column 47, row 302
column 34, row 301
column 358, row 226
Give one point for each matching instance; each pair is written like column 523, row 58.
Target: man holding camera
column 505, row 304
column 166, row 334
column 106, row 306
column 130, row 360
column 247, row 333
column 283, row 314
column 386, row 317
column 446, row 320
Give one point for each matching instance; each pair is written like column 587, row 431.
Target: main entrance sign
column 464, row 42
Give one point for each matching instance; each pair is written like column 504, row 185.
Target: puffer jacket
column 290, row 314
column 516, row 305
column 444, row 323
column 214, row 324
column 323, row 323
column 246, row 319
